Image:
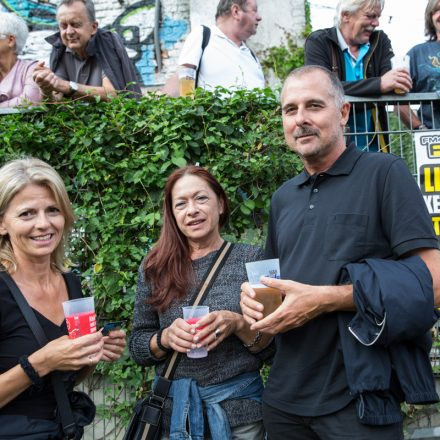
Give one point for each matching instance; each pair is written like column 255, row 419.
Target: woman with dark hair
column 195, row 208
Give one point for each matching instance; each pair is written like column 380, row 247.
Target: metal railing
column 395, row 137
column 107, row 425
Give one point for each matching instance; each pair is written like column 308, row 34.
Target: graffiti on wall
column 135, row 24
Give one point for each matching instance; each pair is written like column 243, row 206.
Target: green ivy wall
column 115, row 158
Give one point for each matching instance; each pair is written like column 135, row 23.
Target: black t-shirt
column 366, row 205
column 17, row 339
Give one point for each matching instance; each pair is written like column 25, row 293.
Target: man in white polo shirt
column 226, row 60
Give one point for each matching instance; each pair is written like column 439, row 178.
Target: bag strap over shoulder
column 205, row 40
column 206, row 284
column 62, row 399
column 153, row 404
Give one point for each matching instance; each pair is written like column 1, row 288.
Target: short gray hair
column 336, row 89
column 11, row 24
column 90, row 7
column 224, row 7
column 352, row 6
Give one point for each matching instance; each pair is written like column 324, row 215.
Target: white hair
column 352, row 6
column 11, row 24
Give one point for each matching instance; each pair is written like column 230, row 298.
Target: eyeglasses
column 3, row 36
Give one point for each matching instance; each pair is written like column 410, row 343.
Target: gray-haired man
column 85, row 62
column 226, row 60
column 361, row 58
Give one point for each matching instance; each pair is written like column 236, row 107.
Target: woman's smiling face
column 196, row 208
column 34, row 223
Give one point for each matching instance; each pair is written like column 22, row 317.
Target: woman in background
column 16, row 84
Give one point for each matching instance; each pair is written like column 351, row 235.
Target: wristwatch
column 73, row 87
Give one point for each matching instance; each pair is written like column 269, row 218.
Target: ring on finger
column 217, row 333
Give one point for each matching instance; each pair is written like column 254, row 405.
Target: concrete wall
column 279, row 16
column 134, row 21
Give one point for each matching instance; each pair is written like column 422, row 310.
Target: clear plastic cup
column 187, row 81
column 80, row 316
column 400, row 63
column 268, row 296
column 193, row 314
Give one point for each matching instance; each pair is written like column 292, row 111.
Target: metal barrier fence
column 394, row 136
column 107, row 425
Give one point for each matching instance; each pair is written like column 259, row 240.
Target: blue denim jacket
column 188, row 400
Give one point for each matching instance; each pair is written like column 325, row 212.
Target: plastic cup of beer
column 187, row 81
column 268, row 296
column 400, row 63
column 192, row 315
column 80, row 316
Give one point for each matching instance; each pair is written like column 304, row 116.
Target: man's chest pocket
column 345, row 237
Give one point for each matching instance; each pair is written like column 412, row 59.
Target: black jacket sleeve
column 318, row 51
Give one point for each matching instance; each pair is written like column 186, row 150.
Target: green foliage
column 281, row 60
column 308, row 27
column 115, row 158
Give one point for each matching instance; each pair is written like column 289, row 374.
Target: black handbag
column 84, row 409
column 145, row 423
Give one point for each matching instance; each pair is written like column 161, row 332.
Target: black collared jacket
column 111, row 55
column 322, row 49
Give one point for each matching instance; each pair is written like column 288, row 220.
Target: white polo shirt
column 223, row 63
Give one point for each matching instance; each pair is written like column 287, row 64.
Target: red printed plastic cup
column 193, row 314
column 80, row 316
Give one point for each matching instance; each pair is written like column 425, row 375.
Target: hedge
column 115, row 158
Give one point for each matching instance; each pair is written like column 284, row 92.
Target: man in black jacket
column 361, row 57
column 86, row 62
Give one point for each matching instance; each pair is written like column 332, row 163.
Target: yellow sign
column 428, row 165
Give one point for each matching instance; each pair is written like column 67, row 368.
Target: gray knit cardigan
column 227, row 360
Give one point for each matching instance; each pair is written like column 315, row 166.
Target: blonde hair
column 14, row 176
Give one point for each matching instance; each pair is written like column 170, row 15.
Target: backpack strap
column 205, row 40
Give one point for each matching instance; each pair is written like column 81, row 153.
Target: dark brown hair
column 430, row 31
column 168, row 266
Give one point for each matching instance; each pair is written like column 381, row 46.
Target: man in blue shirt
column 361, row 58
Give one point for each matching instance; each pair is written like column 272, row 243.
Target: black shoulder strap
column 204, row 287
column 205, row 41
column 253, row 54
column 163, row 383
column 60, row 392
